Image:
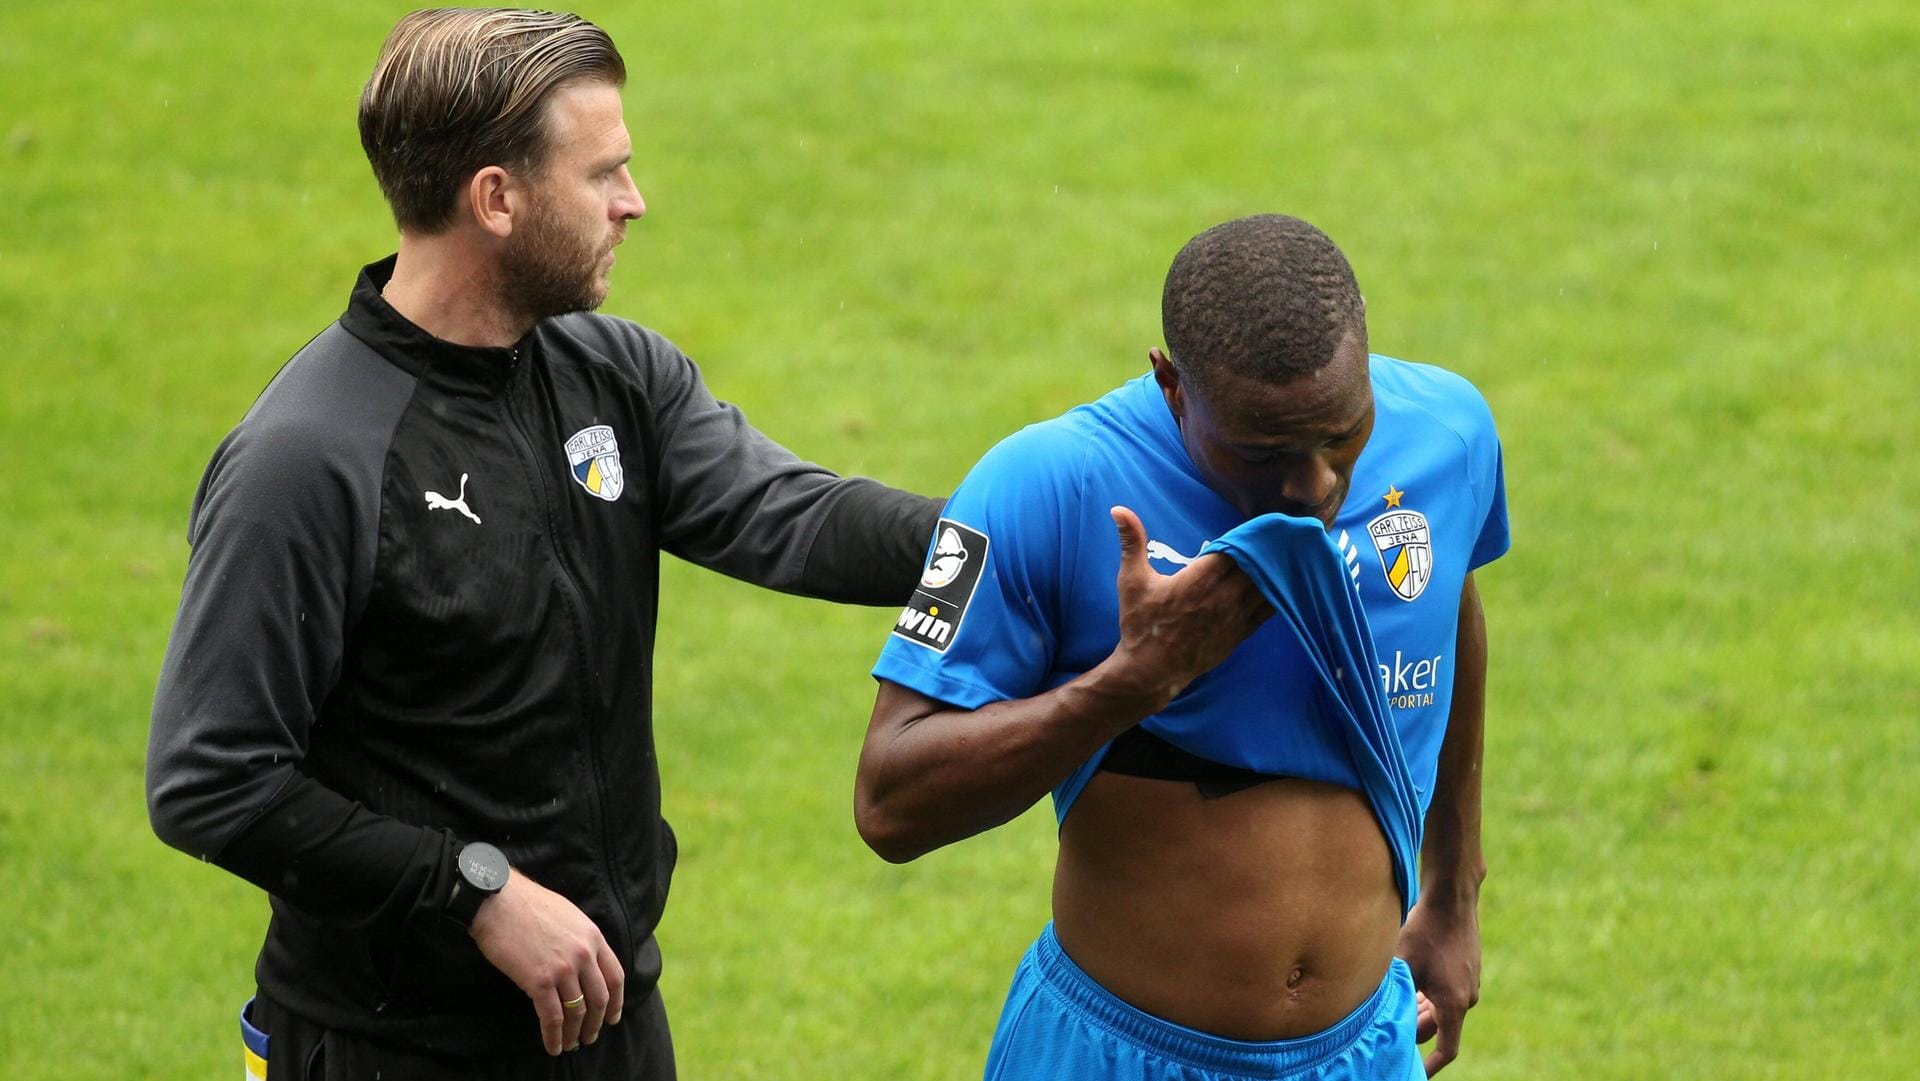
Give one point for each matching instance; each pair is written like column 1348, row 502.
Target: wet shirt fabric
column 1018, row 592
column 419, row 611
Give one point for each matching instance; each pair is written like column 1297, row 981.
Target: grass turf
column 1667, row 241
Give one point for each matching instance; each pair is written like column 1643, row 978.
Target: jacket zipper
column 570, row 589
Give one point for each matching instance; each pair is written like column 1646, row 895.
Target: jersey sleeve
column 1454, row 401
column 982, row 625
column 1488, row 476
column 1493, row 539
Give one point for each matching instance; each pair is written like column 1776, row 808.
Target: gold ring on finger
column 577, row 1002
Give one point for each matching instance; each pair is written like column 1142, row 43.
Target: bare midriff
column 1267, row 914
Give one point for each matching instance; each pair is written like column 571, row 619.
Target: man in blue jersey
column 1248, row 709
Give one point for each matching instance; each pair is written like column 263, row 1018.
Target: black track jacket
column 419, row 611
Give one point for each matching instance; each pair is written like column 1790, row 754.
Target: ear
column 495, row 200
column 1168, row 378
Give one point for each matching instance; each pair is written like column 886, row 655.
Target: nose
column 1309, row 482
column 628, row 204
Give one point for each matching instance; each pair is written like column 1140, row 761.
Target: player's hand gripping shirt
column 1018, row 596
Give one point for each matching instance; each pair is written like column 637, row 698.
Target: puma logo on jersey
column 436, row 501
column 1156, row 550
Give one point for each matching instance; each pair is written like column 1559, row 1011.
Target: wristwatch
column 482, row 873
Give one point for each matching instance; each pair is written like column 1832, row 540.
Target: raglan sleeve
column 730, row 499
column 280, row 552
column 983, row 623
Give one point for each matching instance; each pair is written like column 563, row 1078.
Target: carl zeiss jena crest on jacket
column 594, row 457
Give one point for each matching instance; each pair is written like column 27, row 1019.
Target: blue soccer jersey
column 1018, row 596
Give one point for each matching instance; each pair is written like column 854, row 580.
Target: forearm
column 1452, row 865
column 872, row 545
column 731, row 499
column 307, row 844
column 950, row 774
column 342, row 864
column 1451, row 859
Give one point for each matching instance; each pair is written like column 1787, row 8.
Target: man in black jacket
column 408, row 689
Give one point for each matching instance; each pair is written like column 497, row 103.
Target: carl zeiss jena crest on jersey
column 1405, row 543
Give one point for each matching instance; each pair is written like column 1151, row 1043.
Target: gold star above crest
column 1393, row 496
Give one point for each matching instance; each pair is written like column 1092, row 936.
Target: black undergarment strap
column 1139, row 753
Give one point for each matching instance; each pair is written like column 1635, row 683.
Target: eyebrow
column 1345, row 433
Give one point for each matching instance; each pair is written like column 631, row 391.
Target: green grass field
column 1667, row 240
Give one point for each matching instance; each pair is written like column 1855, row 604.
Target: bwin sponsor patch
column 1405, row 542
column 932, row 617
column 594, row 456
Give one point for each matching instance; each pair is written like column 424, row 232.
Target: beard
column 550, row 269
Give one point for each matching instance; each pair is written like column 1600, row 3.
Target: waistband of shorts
column 1204, row 1050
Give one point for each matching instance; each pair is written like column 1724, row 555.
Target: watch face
column 484, row 866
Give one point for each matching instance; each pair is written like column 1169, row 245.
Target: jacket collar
column 482, row 369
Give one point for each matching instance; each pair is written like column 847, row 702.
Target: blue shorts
column 1059, row 1024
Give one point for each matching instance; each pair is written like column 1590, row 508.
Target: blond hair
column 458, row 89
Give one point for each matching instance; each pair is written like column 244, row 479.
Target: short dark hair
column 458, row 89
column 1267, row 296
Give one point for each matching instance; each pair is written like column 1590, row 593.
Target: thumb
column 1133, row 541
